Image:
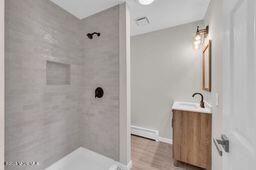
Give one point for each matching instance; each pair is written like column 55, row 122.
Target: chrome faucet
column 202, row 99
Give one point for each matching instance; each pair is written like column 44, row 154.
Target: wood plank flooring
column 151, row 155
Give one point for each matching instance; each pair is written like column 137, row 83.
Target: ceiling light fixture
column 146, row 2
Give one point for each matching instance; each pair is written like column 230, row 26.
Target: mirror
column 207, row 77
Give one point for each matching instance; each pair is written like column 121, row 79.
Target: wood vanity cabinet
column 192, row 138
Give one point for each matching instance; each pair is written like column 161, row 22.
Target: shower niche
column 57, row 73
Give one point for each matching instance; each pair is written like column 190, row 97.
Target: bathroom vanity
column 192, row 127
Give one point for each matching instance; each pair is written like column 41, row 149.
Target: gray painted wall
column 46, row 122
column 214, row 18
column 100, row 117
column 164, row 68
column 2, row 85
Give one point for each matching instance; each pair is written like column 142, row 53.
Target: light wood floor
column 151, row 155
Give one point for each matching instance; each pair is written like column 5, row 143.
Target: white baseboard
column 129, row 166
column 144, row 132
column 126, row 167
column 165, row 140
column 149, row 133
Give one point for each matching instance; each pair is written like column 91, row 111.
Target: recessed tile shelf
column 57, row 73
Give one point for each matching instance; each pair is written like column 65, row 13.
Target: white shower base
column 84, row 159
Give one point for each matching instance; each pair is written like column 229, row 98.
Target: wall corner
column 124, row 86
column 2, row 6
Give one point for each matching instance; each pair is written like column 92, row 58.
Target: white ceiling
column 161, row 14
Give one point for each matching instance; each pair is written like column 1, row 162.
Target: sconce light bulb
column 198, row 37
column 198, row 42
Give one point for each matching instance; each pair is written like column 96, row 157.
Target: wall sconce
column 201, row 34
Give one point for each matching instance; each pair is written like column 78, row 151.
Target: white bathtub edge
column 75, row 156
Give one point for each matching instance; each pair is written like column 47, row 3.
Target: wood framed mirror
column 207, row 67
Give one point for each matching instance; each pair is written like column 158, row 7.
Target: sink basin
column 189, row 106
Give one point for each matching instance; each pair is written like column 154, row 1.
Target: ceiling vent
column 142, row 21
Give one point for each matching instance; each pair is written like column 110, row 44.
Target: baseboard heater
column 146, row 133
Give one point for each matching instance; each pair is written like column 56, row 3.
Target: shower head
column 90, row 35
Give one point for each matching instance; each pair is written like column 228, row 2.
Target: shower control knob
column 99, row 92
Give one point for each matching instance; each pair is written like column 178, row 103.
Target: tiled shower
column 52, row 70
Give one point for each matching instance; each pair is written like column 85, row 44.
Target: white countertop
column 193, row 107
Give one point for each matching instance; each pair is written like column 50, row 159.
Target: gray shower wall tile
column 41, row 120
column 100, row 117
column 46, row 122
